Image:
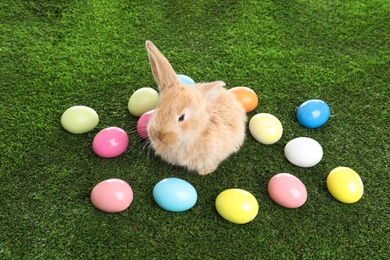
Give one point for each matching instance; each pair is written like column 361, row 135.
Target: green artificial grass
column 56, row 54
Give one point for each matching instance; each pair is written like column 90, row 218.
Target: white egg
column 303, row 152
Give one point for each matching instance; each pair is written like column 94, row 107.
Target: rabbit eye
column 181, row 118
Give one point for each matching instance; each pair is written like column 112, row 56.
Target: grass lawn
column 59, row 53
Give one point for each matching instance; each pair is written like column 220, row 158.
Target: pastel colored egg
column 186, row 80
column 142, row 124
column 142, row 101
column 303, row 152
column 287, row 190
column 175, row 194
column 112, row 195
column 110, row 142
column 237, row 206
column 246, row 96
column 345, row 185
column 79, row 119
column 265, row 128
column 313, row 113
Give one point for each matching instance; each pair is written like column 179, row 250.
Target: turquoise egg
column 174, row 194
column 184, row 79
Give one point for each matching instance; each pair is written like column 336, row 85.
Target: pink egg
column 287, row 190
column 112, row 195
column 143, row 123
column 110, row 142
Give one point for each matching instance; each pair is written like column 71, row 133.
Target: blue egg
column 313, row 113
column 184, row 79
column 174, row 194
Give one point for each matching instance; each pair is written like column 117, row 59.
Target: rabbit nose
column 157, row 135
column 168, row 138
column 164, row 137
column 153, row 134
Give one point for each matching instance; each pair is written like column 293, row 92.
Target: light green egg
column 79, row 119
column 142, row 101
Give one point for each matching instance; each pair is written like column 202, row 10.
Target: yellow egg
column 237, row 206
column 265, row 128
column 345, row 185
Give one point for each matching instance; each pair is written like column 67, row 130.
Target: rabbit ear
column 210, row 90
column 162, row 70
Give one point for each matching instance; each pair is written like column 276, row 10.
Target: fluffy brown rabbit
column 195, row 126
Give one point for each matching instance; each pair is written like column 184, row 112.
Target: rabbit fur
column 195, row 126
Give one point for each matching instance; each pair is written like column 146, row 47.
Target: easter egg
column 112, row 195
column 303, row 152
column 142, row 124
column 265, row 128
column 142, row 101
column 345, row 185
column 174, row 194
column 287, row 190
column 110, row 142
column 184, row 79
column 313, row 113
column 246, row 96
column 237, row 206
column 79, row 119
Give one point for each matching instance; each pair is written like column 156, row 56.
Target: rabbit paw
column 206, row 171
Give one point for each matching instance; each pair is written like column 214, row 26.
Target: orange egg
column 246, row 96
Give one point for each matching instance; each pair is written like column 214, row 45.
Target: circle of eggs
column 313, row 113
column 79, row 119
column 186, row 80
column 303, row 152
column 287, row 190
column 142, row 100
column 174, row 194
column 142, row 124
column 265, row 128
column 112, row 195
column 110, row 142
column 237, row 206
column 345, row 185
column 246, row 96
